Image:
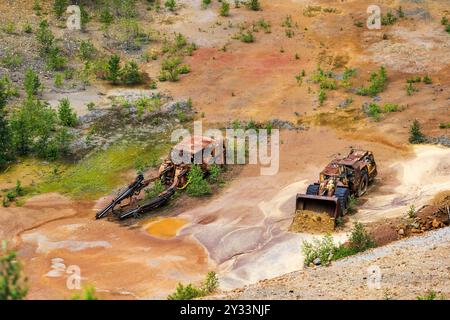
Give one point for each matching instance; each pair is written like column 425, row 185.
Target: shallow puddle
column 165, row 228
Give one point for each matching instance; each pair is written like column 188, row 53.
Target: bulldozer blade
column 319, row 204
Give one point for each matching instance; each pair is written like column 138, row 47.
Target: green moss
column 100, row 173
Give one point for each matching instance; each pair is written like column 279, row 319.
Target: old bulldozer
column 328, row 199
column 172, row 174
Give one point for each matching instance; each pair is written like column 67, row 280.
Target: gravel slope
column 408, row 268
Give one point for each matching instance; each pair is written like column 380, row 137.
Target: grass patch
column 377, row 83
column 189, row 292
column 431, row 295
column 100, row 173
column 326, row 250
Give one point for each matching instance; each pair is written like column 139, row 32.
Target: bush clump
column 415, row 134
column 377, row 84
column 13, row 284
column 325, row 250
column 189, row 292
column 197, row 186
column 67, row 116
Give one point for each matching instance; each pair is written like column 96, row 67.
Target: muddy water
column 165, row 228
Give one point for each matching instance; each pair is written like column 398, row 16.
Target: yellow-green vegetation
column 325, row 250
column 432, row 295
column 375, row 111
column 189, row 292
column 377, row 83
column 100, row 173
column 14, row 194
column 88, row 293
column 13, row 284
column 197, row 186
column 346, row 120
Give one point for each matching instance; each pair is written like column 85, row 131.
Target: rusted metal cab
column 201, row 150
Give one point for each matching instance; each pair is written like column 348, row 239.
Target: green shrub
column 170, row 69
column 415, row 134
column 45, row 37
column 6, row 142
column 444, row 20
column 11, row 60
column 59, row 7
column 67, row 115
column 224, row 9
column 155, row 190
column 410, row 89
column 327, row 251
column 265, row 25
column 197, row 186
column 374, row 111
column 37, row 7
column 170, row 4
column 205, row 3
column 377, row 84
column 211, row 283
column 359, row 239
column 8, row 89
column 9, row 28
column 444, row 125
column 322, row 96
column 189, row 292
column 400, row 12
column 56, row 60
column 431, row 295
column 416, row 79
column 412, row 212
column 247, row 37
column 322, row 249
column 32, row 84
column 13, row 285
column 106, row 18
column 114, row 70
column 388, row 19
column 59, row 80
column 89, row 293
column 33, row 125
column 390, row 107
column 427, row 79
column 254, row 5
column 214, row 172
column 131, row 74
column 87, row 50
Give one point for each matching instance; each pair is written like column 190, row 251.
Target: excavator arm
column 159, row 200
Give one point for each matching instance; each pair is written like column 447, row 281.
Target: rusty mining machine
column 341, row 178
column 172, row 175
